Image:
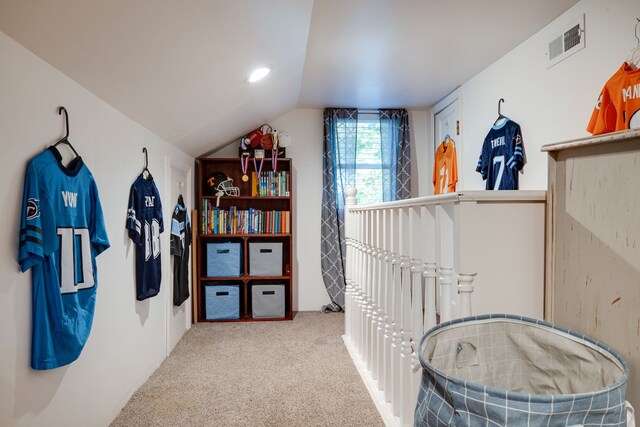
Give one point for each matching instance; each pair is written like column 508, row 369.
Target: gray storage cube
column 222, row 302
column 224, row 259
column 265, row 259
column 267, row 301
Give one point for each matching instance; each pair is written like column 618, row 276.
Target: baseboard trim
column 384, row 408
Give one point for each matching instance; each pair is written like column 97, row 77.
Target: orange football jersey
column 618, row 106
column 445, row 169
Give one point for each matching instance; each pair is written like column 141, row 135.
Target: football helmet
column 220, row 184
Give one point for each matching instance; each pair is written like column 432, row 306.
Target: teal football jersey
column 61, row 232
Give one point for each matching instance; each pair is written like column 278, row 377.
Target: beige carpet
column 295, row 373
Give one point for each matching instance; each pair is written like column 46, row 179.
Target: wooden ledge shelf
column 247, row 235
column 244, row 277
column 607, row 138
column 288, row 316
column 253, row 198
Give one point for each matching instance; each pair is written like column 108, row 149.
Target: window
column 372, row 166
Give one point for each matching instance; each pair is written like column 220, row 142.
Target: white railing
column 412, row 264
column 400, row 281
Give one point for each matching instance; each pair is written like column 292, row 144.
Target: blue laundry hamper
column 502, row 370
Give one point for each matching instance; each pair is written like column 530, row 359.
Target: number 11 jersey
column 62, row 232
column 144, row 222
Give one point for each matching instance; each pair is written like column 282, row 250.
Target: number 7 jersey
column 61, row 232
column 502, row 156
column 144, row 222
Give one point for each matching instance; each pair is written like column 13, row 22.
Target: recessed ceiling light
column 258, row 74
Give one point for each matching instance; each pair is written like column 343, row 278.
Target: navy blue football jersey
column 144, row 222
column 62, row 232
column 502, row 156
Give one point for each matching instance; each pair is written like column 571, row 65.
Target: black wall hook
column 500, row 102
column 66, row 119
column 65, row 139
column 146, row 165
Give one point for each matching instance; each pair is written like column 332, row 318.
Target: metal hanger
column 500, row 116
column 180, row 199
column 146, row 165
column 634, row 56
column 65, row 139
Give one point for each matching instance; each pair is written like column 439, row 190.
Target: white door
column 447, row 120
column 447, row 123
column 178, row 318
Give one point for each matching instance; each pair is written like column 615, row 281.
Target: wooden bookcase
column 245, row 201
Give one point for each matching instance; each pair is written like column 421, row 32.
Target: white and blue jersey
column 144, row 222
column 61, row 232
column 502, row 156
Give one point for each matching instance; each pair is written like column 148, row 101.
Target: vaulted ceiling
column 179, row 67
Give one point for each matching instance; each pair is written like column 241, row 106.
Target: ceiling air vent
column 567, row 42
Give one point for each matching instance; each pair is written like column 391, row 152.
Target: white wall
column 305, row 126
column 421, row 153
column 552, row 104
column 129, row 338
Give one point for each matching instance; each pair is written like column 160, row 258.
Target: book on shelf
column 270, row 184
column 243, row 221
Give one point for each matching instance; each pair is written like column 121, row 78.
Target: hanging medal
column 258, row 154
column 274, row 160
column 244, row 164
column 274, row 152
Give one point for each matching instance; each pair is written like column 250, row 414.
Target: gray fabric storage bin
column 265, row 259
column 224, row 259
column 505, row 370
column 222, row 302
column 267, row 301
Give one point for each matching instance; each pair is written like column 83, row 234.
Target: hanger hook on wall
column 500, row 102
column 635, row 31
column 146, row 165
column 61, row 109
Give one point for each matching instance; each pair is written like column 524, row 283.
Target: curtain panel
column 395, row 137
column 339, row 147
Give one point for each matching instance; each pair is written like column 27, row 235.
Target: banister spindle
column 465, row 288
column 381, row 277
column 405, row 320
column 388, row 306
column 397, row 302
column 373, row 320
column 446, row 285
column 350, row 201
column 430, row 274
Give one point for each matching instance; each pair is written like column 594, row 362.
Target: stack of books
column 248, row 221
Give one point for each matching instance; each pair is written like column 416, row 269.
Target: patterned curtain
column 339, row 147
column 396, row 149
